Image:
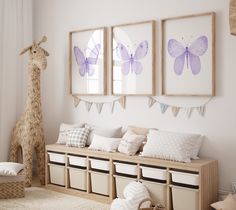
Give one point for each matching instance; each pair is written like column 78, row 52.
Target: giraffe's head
column 37, row 54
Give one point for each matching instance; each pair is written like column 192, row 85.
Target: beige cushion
column 228, row 204
column 138, row 130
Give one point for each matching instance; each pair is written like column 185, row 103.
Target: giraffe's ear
column 25, row 50
column 45, row 52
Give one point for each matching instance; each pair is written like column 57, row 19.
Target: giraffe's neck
column 33, row 102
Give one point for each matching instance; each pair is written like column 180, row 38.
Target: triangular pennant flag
column 76, row 101
column 164, row 107
column 201, row 110
column 88, row 105
column 99, row 107
column 112, row 105
column 122, row 101
column 189, row 111
column 175, row 110
column 151, row 102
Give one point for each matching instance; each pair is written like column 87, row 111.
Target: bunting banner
column 99, row 105
column 151, row 102
column 176, row 109
column 76, row 101
column 88, row 105
column 164, row 107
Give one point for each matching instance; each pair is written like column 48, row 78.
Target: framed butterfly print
column 88, row 56
column 133, row 61
column 188, row 55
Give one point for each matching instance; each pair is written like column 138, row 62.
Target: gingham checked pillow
column 78, row 137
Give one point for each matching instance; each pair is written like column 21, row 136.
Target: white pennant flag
column 201, row 110
column 189, row 111
column 76, row 101
column 112, row 106
column 88, row 105
column 151, row 102
column 164, row 107
column 99, row 107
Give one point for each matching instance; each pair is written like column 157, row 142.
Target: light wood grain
column 205, row 167
column 104, row 29
column 163, row 83
column 152, row 22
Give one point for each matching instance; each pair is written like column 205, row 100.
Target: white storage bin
column 185, row 178
column 185, row 198
column 153, row 173
column 100, row 183
column 77, row 161
column 125, row 168
column 78, row 178
column 57, row 174
column 121, row 183
column 100, row 164
column 158, row 191
column 56, row 158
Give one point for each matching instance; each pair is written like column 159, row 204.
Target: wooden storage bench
column 199, row 176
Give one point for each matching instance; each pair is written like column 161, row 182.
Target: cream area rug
column 42, row 199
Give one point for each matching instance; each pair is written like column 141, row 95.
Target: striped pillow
column 78, row 137
column 131, row 143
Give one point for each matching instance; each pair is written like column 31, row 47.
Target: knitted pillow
column 78, row 137
column 131, row 143
column 134, row 193
column 64, row 132
column 228, row 204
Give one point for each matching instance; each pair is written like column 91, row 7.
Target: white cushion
column 78, row 137
column 107, row 132
column 131, row 143
column 10, row 168
column 170, row 145
column 64, row 132
column 103, row 143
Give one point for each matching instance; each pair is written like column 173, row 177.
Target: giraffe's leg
column 28, row 163
column 40, row 154
column 13, row 154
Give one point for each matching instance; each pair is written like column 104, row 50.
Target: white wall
column 55, row 18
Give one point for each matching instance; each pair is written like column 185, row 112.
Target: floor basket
column 12, row 186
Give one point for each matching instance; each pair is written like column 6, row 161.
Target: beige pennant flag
column 201, row 110
column 76, row 100
column 99, row 107
column 112, row 106
column 122, row 101
column 175, row 110
column 151, row 102
column 88, row 105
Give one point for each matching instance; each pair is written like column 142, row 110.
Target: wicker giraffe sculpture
column 28, row 132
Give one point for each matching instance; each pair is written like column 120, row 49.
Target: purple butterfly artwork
column 131, row 61
column 189, row 53
column 87, row 64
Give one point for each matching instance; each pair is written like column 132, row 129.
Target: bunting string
column 99, row 105
column 188, row 110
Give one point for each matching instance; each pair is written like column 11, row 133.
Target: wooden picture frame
column 133, row 42
column 88, row 61
column 188, row 67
